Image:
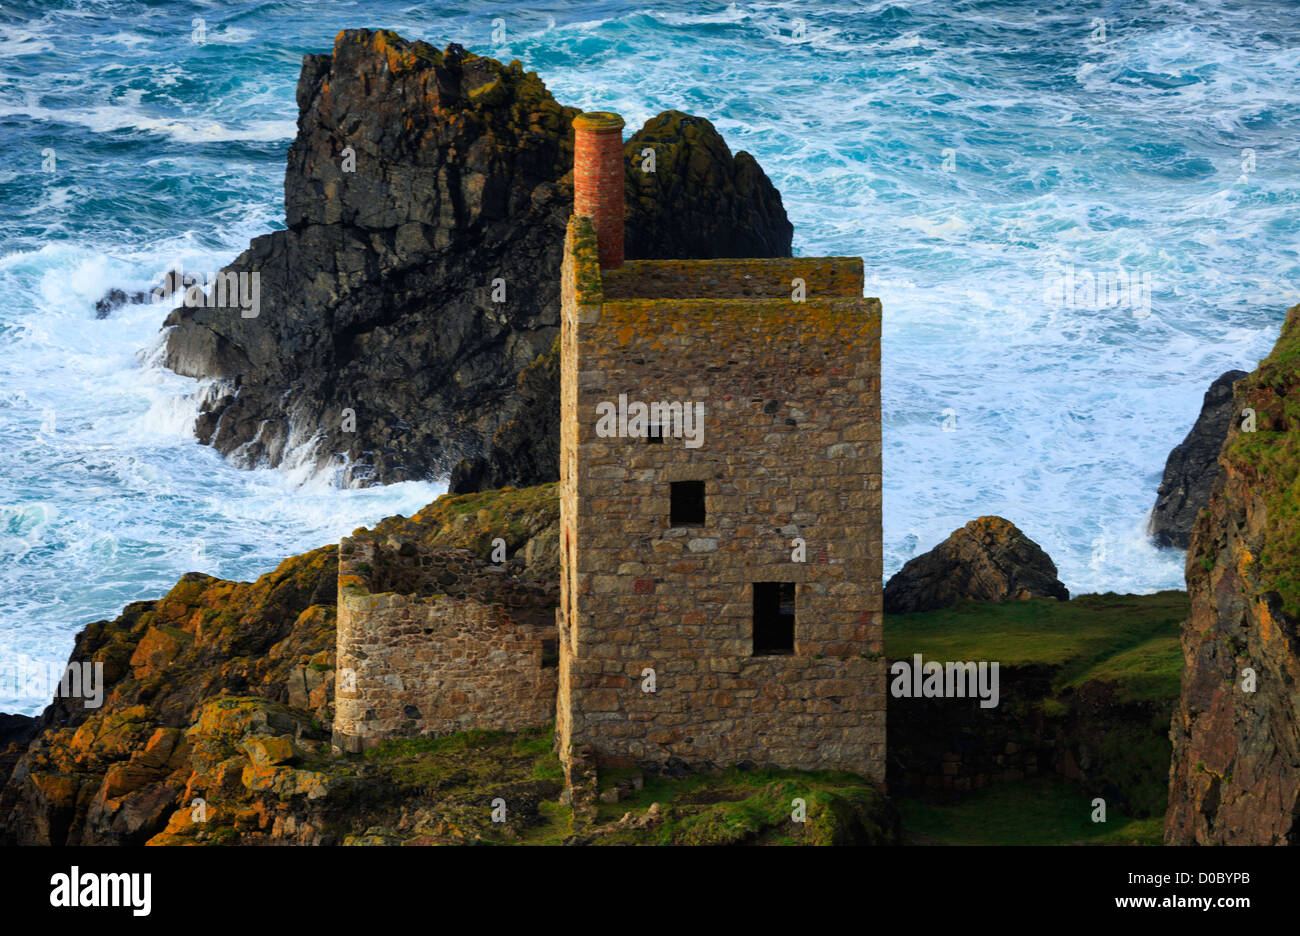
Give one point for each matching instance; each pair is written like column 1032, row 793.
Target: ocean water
column 970, row 151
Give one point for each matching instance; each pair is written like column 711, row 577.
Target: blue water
column 967, row 150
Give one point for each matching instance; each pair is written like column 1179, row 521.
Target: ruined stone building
column 435, row 640
column 720, row 587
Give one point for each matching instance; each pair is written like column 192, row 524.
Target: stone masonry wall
column 1107, row 746
column 433, row 641
column 791, row 450
column 953, row 744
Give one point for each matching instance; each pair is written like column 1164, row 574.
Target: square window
column 773, row 618
column 654, row 435
column 687, row 505
column 550, row 652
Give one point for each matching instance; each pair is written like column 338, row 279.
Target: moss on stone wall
column 473, row 521
column 770, row 278
column 661, row 324
column 582, row 250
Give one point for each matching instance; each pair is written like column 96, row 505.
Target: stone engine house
column 679, row 555
column 720, row 527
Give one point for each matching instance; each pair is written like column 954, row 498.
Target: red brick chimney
column 598, row 181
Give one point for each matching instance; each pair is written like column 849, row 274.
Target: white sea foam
column 16, row 41
column 104, row 495
column 108, row 118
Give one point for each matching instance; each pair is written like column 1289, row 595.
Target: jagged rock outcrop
column 379, row 341
column 16, row 732
column 112, row 775
column 1192, row 466
column 721, row 206
column 527, row 447
column 988, row 559
column 1235, row 776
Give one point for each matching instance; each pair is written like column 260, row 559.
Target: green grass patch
column 539, row 744
column 1150, row 672
column 473, row 521
column 1136, row 760
column 470, row 759
column 1131, row 640
column 756, row 807
column 406, row 748
column 1038, row 811
column 555, row 827
column 1272, row 454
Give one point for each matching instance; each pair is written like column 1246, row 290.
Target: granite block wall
column 433, row 641
column 790, row 455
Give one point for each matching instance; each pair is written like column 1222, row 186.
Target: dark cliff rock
column 699, row 202
column 16, row 732
column 988, row 559
column 1192, row 466
column 1235, row 777
column 379, row 342
column 526, row 448
column 16, row 729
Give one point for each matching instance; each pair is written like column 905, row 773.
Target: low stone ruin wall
column 434, row 640
column 1117, row 750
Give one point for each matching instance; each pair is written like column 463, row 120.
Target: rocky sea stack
column 1192, row 466
column 988, row 559
column 409, row 311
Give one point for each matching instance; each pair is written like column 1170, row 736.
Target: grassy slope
column 1270, row 457
column 473, row 521
column 1129, row 640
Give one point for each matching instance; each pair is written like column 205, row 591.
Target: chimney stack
column 598, row 181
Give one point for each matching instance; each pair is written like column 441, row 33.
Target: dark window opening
column 654, row 435
column 773, row 618
column 687, row 507
column 550, row 652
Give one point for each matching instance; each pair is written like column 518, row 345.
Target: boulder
column 407, row 315
column 1192, row 466
column 988, row 559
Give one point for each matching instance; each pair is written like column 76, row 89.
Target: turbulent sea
column 971, row 152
